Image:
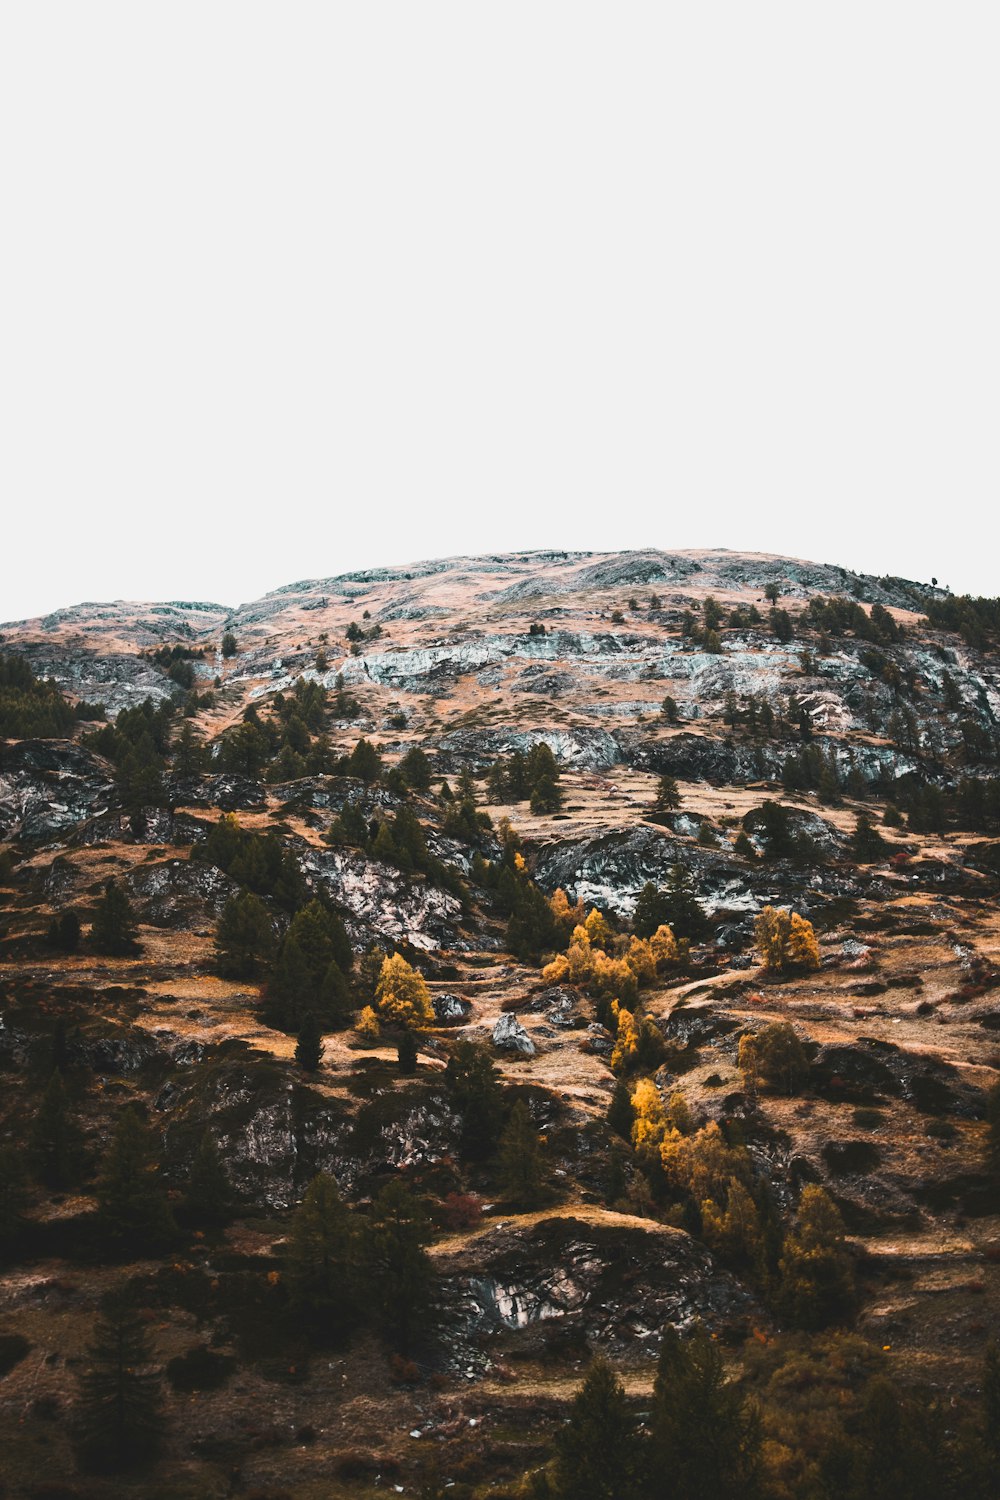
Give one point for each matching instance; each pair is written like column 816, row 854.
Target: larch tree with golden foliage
column 786, row 941
column 401, row 995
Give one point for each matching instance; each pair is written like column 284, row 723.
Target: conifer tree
column 131, row 1198
column 119, row 1416
column 13, row 1198
column 53, row 1140
column 209, row 1200
column 113, row 929
column 244, row 938
column 620, row 1110
column 321, row 1258
column 406, row 1052
column 598, row 1448
column 398, row 1269
column 704, row 1439
column 309, row 1045
column 523, row 1174
column 475, row 1091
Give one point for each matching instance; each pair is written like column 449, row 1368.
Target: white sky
column 288, row 289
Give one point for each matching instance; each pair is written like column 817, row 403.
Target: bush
column 200, row 1369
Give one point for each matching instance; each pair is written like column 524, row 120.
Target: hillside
column 459, row 763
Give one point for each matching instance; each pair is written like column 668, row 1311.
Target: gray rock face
column 180, row 892
column 583, row 748
column 616, row 1284
column 451, row 1010
column 381, row 901
column 47, row 787
column 510, row 1036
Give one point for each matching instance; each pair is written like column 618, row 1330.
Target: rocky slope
column 630, row 668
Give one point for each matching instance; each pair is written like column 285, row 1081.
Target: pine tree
column 209, row 1200
column 131, row 1198
column 229, row 646
column 668, row 798
column 681, row 910
column 13, row 1198
column 244, row 938
column 597, row 1449
column 704, row 1440
column 406, row 1052
column 321, row 1258
column 309, row 1045
column 523, row 1175
column 775, row 1056
column 118, row 1412
column 415, row 769
column 475, row 1091
column 64, row 932
column 399, row 1272
column 620, row 1110
column 113, row 929
column 54, row 1136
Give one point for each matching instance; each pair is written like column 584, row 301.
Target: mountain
column 366, row 817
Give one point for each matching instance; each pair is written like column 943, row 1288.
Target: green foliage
column 415, row 769
column 257, row 861
column 406, row 1052
column 209, row 1201
column 309, row 1044
column 244, row 940
column 476, row 1093
column 308, row 975
column 597, row 1451
column 678, row 907
column 118, row 1412
column 13, row 1198
column 321, row 1264
column 521, row 1160
column 704, row 1436
column 54, row 1140
column 131, row 1198
column 113, row 931
column 30, row 709
column 668, row 798
column 64, row 932
column 398, row 1271
column 229, row 647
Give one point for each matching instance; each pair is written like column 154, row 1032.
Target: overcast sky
column 288, row 289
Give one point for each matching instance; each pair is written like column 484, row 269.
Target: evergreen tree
column 775, row 1056
column 597, row 1450
column 704, row 1440
column 406, row 1052
column 866, row 844
column 189, row 753
column 321, row 1259
column 620, row 1110
column 415, row 769
column 120, row 1421
column 681, row 911
column 209, row 1200
column 64, row 932
column 399, row 1271
column 475, row 1091
column 668, row 798
column 523, row 1175
column 13, row 1198
column 229, row 647
column 309, row 1046
column 113, row 929
column 244, row 938
column 131, row 1198
column 53, row 1140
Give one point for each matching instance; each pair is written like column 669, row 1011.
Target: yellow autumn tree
column 734, row 1232
column 785, row 940
column 664, row 947
column 598, row 931
column 401, row 994
column 367, row 1026
column 567, row 917
column 626, row 1045
column 648, row 1118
